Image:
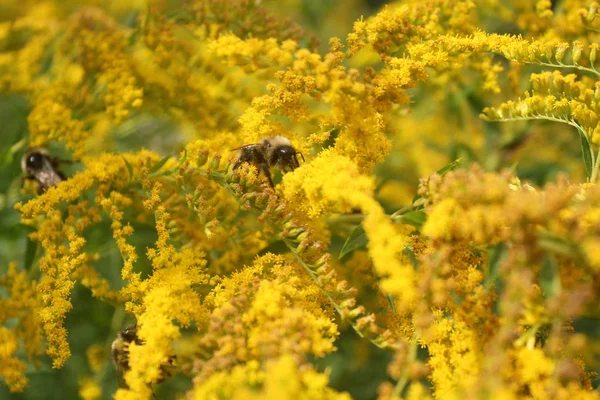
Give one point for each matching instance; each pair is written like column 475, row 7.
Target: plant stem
column 594, row 176
column 412, row 357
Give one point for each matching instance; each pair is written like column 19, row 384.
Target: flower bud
column 591, row 15
column 214, row 162
column 348, row 303
column 292, row 233
column 355, row 313
column 303, row 236
column 549, row 52
column 325, row 279
column 576, row 52
column 261, row 200
column 302, row 246
column 202, row 158
column 593, row 53
column 559, row 54
column 233, row 177
column 322, row 260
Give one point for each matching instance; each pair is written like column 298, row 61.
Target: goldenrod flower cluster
column 420, row 250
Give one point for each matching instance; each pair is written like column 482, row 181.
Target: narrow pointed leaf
column 450, row 167
column 586, row 152
column 549, row 277
column 159, row 164
column 129, row 168
column 357, row 239
column 495, row 258
column 415, row 218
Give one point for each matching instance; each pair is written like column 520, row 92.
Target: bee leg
column 237, row 164
column 40, row 188
column 27, row 178
column 265, row 170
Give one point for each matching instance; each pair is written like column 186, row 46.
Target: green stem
column 412, row 357
column 346, row 219
column 560, row 65
column 594, row 176
column 529, row 337
column 417, row 204
column 313, row 276
column 17, row 146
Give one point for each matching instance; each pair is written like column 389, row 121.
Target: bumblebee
column 38, row 165
column 120, row 355
column 276, row 151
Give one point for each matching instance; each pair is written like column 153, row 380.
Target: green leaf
column 415, row 218
column 411, row 257
column 129, row 168
column 159, row 164
column 457, row 299
column 450, row 167
column 495, row 257
column 587, row 153
column 461, row 150
column 556, row 244
column 357, row 239
column 549, row 277
column 390, row 300
column 183, row 158
column 442, row 171
column 416, row 206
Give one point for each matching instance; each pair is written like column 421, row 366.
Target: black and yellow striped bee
column 276, row 151
column 120, row 355
column 39, row 166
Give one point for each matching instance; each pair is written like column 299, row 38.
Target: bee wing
column 245, row 146
column 49, row 176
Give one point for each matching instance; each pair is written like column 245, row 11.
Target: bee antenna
column 301, row 155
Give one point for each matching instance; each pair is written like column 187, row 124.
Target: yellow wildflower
column 11, row 368
column 281, row 379
column 346, row 189
column 89, row 390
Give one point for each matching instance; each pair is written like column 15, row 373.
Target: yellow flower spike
column 438, row 223
column 89, row 390
column 280, row 378
column 63, row 264
column 97, row 356
column 274, row 305
column 576, row 51
column 11, row 368
column 168, row 289
column 455, row 357
column 332, row 183
column 534, row 368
